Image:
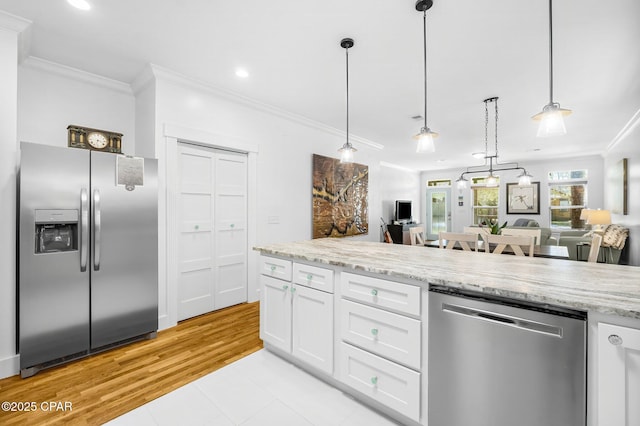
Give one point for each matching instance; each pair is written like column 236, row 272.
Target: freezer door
column 124, row 261
column 53, row 289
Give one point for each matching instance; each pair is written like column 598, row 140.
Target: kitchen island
column 385, row 285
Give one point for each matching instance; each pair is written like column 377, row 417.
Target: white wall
column 400, row 184
column 8, row 165
column 282, row 145
column 463, row 216
column 628, row 147
column 51, row 97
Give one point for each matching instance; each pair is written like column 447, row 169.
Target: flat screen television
column 403, row 211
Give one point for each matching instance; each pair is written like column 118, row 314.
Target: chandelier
column 491, row 158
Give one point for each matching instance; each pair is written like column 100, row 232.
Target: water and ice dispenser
column 56, row 231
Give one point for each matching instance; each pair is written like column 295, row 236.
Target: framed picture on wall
column 523, row 199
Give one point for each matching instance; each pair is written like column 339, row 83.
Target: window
column 567, row 198
column 485, row 200
column 440, row 182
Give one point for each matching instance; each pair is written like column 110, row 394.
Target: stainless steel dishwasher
column 496, row 362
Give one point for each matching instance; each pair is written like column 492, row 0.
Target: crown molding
column 626, row 130
column 169, row 75
column 20, row 26
column 144, row 79
column 77, row 74
column 13, row 23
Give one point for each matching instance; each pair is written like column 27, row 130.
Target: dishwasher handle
column 508, row 320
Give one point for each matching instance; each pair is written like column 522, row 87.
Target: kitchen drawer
column 313, row 276
column 387, row 334
column 393, row 385
column 276, row 268
column 386, row 294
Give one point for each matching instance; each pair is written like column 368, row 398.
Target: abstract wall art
column 340, row 198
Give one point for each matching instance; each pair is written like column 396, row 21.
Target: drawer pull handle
column 374, row 292
column 615, row 340
column 197, row 227
column 293, row 289
column 285, row 287
column 309, row 277
column 374, row 380
column 273, row 268
column 232, row 225
column 374, row 331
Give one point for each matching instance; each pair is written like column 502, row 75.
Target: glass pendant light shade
column 425, row 140
column 551, row 120
column 346, row 153
column 524, row 178
column 491, row 180
column 462, row 182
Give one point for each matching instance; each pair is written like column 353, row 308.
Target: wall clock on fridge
column 94, row 139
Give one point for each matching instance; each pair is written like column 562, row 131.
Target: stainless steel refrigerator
column 88, row 253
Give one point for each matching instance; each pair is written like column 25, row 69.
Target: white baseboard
column 9, row 366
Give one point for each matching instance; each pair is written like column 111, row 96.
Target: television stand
column 400, row 233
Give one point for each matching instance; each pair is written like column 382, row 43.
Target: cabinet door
column 275, row 312
column 313, row 327
column 618, row 375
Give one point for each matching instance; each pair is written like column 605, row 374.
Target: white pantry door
column 195, row 217
column 230, row 229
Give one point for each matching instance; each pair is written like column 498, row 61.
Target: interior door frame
column 168, row 202
column 428, row 224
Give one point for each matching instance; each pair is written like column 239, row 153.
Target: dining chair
column 596, row 241
column 462, row 239
column 416, row 235
column 536, row 233
column 475, row 230
column 502, row 242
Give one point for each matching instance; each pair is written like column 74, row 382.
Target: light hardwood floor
column 106, row 385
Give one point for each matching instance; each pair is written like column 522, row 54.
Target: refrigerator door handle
column 97, row 229
column 84, row 228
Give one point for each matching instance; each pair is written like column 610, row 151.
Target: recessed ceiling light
column 80, row 4
column 242, row 73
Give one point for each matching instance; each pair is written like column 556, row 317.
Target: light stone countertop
column 604, row 288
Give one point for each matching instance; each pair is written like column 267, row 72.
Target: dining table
column 548, row 251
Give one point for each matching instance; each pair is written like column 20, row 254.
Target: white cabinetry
column 295, row 316
column 378, row 345
column 618, row 375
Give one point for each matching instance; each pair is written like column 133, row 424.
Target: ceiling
column 292, row 51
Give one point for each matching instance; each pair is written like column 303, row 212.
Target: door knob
column 615, row 340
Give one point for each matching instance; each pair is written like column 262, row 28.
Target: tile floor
column 260, row 389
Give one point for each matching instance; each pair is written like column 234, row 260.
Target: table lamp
column 599, row 219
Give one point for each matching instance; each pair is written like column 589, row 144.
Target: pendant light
column 426, row 136
column 552, row 116
column 494, row 165
column 347, row 150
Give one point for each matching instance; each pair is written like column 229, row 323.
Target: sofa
column 613, row 241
